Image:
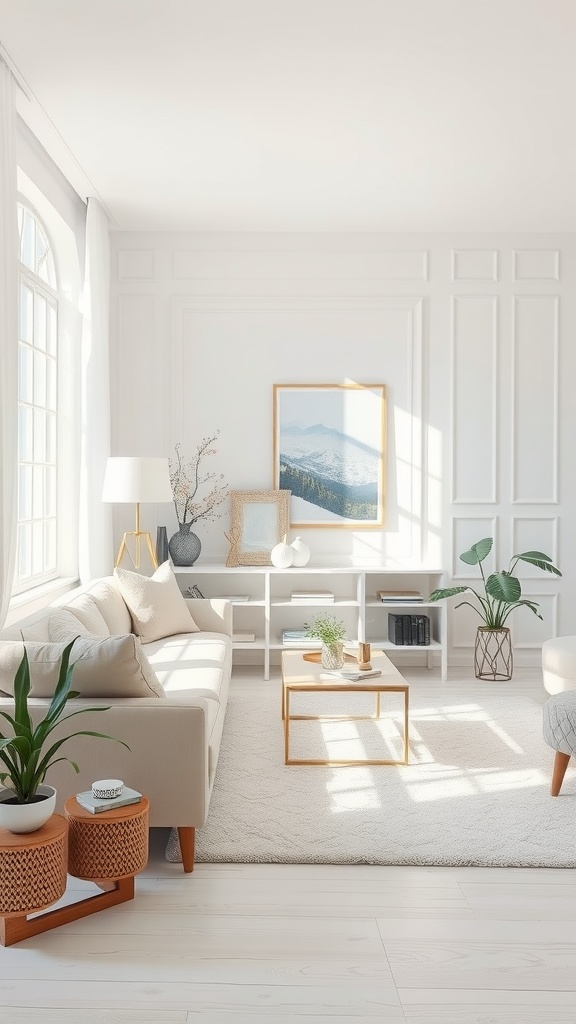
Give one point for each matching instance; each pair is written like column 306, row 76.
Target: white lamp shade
column 137, row 480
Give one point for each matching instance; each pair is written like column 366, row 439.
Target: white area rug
column 476, row 791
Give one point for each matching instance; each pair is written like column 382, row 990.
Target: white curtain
column 8, row 336
column 96, row 554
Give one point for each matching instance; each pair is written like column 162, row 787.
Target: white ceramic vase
column 22, row 818
column 300, row 553
column 281, row 555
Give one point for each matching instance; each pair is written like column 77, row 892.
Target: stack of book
column 409, row 630
column 243, row 636
column 234, row 598
column 298, row 638
column 399, row 596
column 312, row 597
column 97, row 804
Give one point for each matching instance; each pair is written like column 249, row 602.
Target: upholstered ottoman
column 559, row 664
column 560, row 733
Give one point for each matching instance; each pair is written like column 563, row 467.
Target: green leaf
column 532, row 605
column 539, row 560
column 21, row 691
column 439, row 595
column 503, row 587
column 478, row 552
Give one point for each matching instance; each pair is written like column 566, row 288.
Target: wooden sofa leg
column 187, row 837
column 561, row 762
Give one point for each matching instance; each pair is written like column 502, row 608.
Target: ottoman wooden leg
column 561, row 762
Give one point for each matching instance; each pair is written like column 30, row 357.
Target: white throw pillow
column 156, row 604
column 111, row 666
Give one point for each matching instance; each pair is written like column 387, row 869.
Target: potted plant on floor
column 26, row 803
column 332, row 633
column 502, row 594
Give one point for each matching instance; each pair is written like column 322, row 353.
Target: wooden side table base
column 15, row 928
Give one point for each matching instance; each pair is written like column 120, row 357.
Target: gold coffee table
column 302, row 675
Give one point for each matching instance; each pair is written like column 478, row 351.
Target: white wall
column 472, row 335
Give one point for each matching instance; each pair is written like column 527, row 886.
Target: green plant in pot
column 502, row 594
column 332, row 634
column 26, row 803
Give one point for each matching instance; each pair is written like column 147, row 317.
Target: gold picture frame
column 259, row 521
column 330, row 452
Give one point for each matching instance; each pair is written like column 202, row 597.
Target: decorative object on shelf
column 233, row 538
column 329, row 451
column 195, row 592
column 331, row 633
column 186, row 478
column 300, row 553
column 261, row 520
column 282, row 554
column 161, row 545
column 184, row 546
column 364, row 657
column 27, row 804
column 136, row 481
column 502, row 594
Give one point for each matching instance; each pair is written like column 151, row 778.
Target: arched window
column 37, row 555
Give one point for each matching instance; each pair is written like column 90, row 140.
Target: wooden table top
column 75, row 810
column 297, row 672
column 52, row 830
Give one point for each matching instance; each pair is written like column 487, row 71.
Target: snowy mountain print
column 329, row 469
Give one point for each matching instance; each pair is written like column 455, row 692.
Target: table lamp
column 137, row 480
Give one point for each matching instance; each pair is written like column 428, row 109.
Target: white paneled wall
column 472, row 335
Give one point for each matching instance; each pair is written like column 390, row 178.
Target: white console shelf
column 269, row 608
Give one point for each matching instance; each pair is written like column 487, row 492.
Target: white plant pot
column 300, row 552
column 21, row 818
column 281, row 555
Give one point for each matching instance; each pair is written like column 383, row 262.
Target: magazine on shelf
column 96, row 804
column 400, row 596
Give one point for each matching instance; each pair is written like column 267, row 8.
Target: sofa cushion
column 104, row 594
column 197, row 662
column 112, row 666
column 156, row 604
column 64, row 625
column 87, row 612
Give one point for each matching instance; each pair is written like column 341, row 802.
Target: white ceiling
column 330, row 115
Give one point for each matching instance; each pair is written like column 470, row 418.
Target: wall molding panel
column 136, row 264
column 474, row 398
column 535, row 533
column 474, row 265
column 536, row 265
column 535, row 365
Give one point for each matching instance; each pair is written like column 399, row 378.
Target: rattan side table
column 32, row 877
column 108, row 848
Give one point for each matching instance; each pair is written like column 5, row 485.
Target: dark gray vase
column 184, row 546
column 161, row 545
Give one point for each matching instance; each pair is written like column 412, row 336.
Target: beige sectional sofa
column 173, row 730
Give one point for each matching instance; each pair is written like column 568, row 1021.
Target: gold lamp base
column 138, row 534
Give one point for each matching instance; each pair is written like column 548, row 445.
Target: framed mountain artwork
column 330, row 452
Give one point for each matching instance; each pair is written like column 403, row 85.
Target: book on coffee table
column 355, row 674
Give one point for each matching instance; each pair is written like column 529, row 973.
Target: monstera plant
column 494, row 602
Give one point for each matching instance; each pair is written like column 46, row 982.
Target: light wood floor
column 297, row 944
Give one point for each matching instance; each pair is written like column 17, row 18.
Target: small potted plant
column 26, row 803
column 502, row 594
column 332, row 634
